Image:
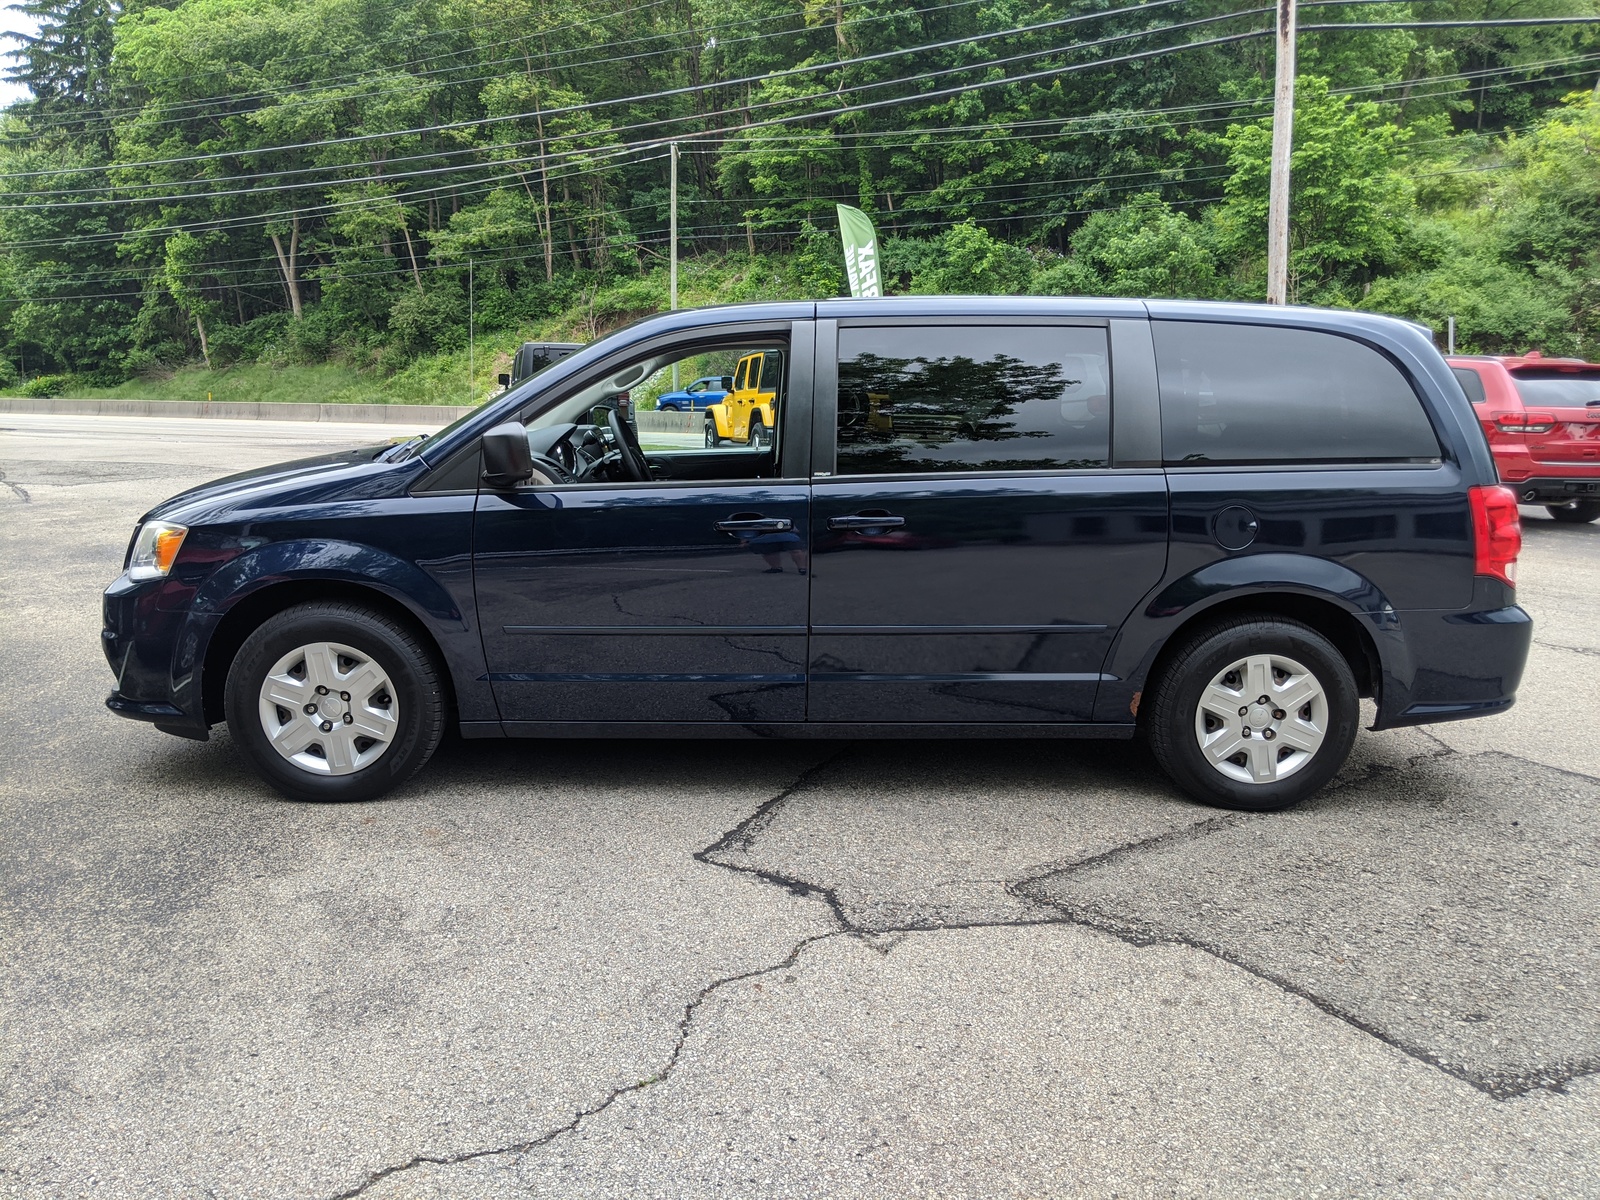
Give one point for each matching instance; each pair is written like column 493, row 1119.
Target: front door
column 678, row 599
column 976, row 548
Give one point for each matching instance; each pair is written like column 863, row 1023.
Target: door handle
column 756, row 525
column 865, row 521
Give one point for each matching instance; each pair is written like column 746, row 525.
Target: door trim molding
column 655, row 630
column 914, row 630
column 832, row 730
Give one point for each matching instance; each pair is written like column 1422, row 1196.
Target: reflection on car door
column 979, row 546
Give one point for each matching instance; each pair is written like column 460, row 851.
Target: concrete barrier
column 241, row 410
column 667, row 422
column 254, row 410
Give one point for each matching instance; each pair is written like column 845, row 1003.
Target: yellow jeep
column 748, row 413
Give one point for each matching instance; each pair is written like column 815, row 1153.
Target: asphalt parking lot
column 850, row 969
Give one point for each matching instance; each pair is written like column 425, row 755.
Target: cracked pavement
column 702, row 969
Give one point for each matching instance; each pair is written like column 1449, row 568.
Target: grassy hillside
column 443, row 378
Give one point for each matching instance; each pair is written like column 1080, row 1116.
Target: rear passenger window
column 973, row 398
column 1471, row 384
column 1266, row 394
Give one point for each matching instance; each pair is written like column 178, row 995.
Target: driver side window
column 734, row 436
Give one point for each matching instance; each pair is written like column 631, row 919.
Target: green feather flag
column 860, row 251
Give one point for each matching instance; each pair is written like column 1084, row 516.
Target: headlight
column 155, row 549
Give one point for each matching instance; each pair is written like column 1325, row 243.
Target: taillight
column 1526, row 422
column 1496, row 532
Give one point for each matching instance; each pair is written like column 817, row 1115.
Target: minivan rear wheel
column 1577, row 512
column 333, row 701
column 1255, row 713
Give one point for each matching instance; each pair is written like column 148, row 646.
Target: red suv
column 1542, row 416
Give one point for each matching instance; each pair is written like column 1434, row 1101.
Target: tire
column 1310, row 741
column 669, row 408
column 758, row 432
column 713, row 439
column 299, row 658
column 1578, row 512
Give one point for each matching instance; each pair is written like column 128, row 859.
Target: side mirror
column 507, row 461
column 504, row 379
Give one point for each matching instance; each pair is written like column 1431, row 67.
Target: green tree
column 1145, row 248
column 971, row 260
column 1349, row 207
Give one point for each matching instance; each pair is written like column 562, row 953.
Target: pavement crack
column 661, row 1075
column 1589, row 650
column 741, row 839
column 17, row 489
column 738, row 839
column 1170, row 837
column 1500, row 1087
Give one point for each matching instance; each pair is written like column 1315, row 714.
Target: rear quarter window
column 1471, row 384
column 1242, row 394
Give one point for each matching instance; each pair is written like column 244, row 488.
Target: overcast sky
column 12, row 21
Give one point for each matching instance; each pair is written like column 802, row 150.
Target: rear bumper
column 1557, row 489
column 1455, row 665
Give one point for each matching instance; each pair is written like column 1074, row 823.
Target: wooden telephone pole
column 1282, row 145
column 672, row 249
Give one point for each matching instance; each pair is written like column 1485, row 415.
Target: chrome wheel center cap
column 1260, row 717
column 332, row 707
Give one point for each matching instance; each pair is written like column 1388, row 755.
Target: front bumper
column 144, row 627
column 168, row 718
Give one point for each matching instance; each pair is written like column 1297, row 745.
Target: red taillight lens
column 1496, row 532
column 1533, row 422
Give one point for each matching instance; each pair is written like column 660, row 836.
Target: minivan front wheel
column 333, row 701
column 1256, row 713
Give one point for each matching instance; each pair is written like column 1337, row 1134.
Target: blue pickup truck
column 708, row 389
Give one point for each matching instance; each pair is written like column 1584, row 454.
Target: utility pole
column 1282, row 145
column 672, row 250
column 472, row 345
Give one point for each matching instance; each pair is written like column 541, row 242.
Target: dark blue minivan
column 1215, row 526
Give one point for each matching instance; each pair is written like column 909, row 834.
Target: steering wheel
column 628, row 452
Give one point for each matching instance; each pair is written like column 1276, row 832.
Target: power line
column 438, row 33
column 533, row 159
column 390, row 69
column 259, row 219
column 663, row 94
column 913, row 217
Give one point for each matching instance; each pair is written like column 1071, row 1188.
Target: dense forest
column 354, row 181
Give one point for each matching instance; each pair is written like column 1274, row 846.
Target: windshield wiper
column 402, row 451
